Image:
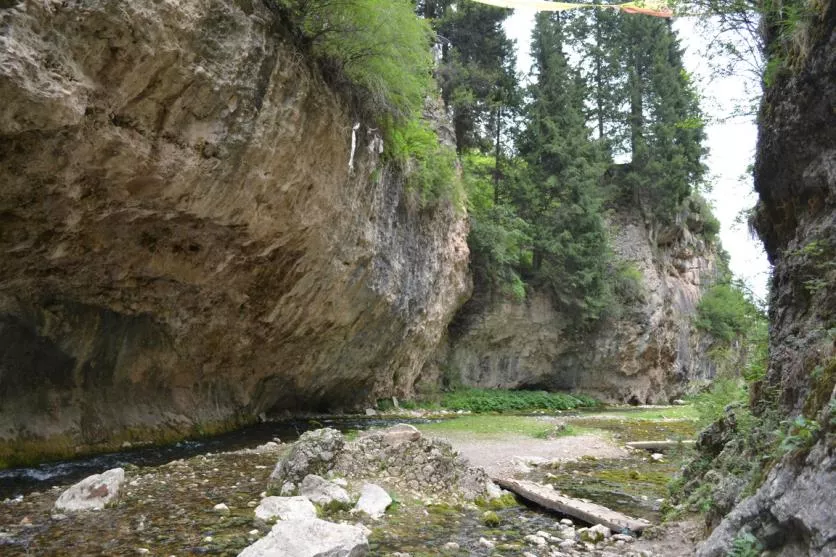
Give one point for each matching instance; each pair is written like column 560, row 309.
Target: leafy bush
column 381, row 46
column 497, row 400
column 498, row 238
column 725, row 312
column 629, row 283
column 429, row 167
column 745, row 545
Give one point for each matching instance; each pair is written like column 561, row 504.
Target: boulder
column 401, row 433
column 313, row 453
column 310, row 538
column 285, row 508
column 322, row 492
column 373, row 501
column 92, row 493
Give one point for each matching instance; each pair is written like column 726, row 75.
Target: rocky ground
column 220, row 504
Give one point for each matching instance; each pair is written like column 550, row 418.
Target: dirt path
column 500, row 456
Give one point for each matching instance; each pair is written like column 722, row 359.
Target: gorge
column 206, row 222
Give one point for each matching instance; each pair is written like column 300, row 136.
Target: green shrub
column 381, row 46
column 724, row 312
column 428, row 167
column 745, row 545
column 497, row 400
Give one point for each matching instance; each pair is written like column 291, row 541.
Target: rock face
column 648, row 355
column 310, row 538
column 184, row 245
column 795, row 174
column 425, row 466
column 93, row 493
column 313, row 453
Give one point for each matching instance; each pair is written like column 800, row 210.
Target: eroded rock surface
column 421, row 465
column 184, row 245
column 648, row 355
column 310, row 538
column 791, row 513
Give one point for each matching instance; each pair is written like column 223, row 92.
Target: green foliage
column 726, row 313
column 380, row 46
column 428, row 166
column 745, row 545
column 496, row 400
column 477, row 73
column 628, row 284
column 490, row 519
column 724, row 392
column 797, row 436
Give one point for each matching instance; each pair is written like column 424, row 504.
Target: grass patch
column 683, row 412
column 501, row 426
column 499, row 400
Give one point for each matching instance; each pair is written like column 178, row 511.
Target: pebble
column 657, row 457
column 143, row 551
column 221, row 508
column 452, row 546
column 253, row 532
column 207, row 539
column 535, row 540
column 566, row 522
column 484, row 542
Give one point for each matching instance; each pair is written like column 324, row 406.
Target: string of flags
column 653, row 8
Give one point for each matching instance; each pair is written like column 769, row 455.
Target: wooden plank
column 546, row 496
column 664, row 445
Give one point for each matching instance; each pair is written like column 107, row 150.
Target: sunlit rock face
column 184, row 245
column 795, row 174
column 650, row 354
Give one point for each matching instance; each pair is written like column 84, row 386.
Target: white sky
column 731, row 144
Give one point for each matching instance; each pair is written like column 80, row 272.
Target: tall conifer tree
column 562, row 201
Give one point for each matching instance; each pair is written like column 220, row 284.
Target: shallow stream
column 167, row 507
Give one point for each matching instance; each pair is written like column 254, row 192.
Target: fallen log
column 546, row 496
column 660, row 445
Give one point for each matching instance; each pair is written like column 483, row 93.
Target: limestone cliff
column 648, row 354
column 184, row 246
column 791, row 513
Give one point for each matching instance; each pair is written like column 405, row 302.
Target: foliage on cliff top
column 381, row 46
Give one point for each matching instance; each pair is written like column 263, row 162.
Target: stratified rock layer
column 791, row 514
column 184, row 246
column 649, row 354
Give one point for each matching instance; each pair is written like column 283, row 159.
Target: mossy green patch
column 501, row 426
column 490, row 519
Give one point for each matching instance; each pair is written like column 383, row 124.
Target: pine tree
column 644, row 105
column 561, row 201
column 477, row 75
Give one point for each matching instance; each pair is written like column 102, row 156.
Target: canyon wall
column 791, row 512
column 648, row 354
column 184, row 244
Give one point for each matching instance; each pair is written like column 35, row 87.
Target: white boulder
column 310, row 538
column 373, row 501
column 322, row 492
column 92, row 493
column 285, row 508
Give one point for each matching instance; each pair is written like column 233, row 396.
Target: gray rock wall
column 650, row 354
column 184, row 245
column 795, row 174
